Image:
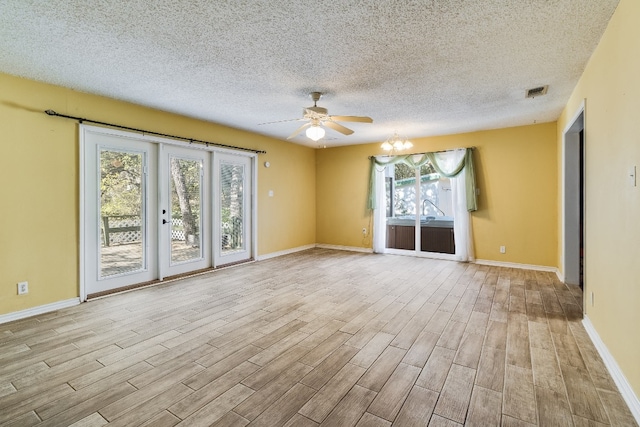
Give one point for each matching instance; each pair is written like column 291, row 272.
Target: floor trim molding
column 616, row 373
column 41, row 309
column 315, row 245
column 344, row 248
column 285, row 252
column 517, row 265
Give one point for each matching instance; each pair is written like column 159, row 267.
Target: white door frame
column 380, row 225
column 248, row 203
column 84, row 129
column 570, row 227
column 167, row 266
column 90, row 222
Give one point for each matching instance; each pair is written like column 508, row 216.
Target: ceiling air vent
column 537, row 91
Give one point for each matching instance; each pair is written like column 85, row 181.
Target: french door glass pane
column 437, row 213
column 186, row 201
column 404, row 198
column 435, row 193
column 122, row 212
column 231, row 207
column 425, row 197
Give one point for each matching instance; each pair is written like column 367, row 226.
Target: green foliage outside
column 231, row 197
column 121, row 189
column 120, row 183
column 403, row 171
column 190, row 174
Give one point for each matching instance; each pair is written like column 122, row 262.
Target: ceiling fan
column 317, row 117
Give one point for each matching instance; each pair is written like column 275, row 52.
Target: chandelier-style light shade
column 314, row 132
column 395, row 143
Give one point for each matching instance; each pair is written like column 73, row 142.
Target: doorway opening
column 419, row 208
column 574, row 201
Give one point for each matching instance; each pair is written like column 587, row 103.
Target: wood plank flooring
column 317, row 338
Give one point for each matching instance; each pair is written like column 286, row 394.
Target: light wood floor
column 316, row 338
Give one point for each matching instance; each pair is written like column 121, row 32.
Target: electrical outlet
column 23, row 288
column 364, row 231
column 503, row 249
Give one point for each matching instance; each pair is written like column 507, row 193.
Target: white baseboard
column 560, row 275
column 315, row 245
column 516, row 265
column 370, row 250
column 285, row 252
column 345, row 248
column 616, row 373
column 41, row 309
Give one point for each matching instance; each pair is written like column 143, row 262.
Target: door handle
column 164, row 221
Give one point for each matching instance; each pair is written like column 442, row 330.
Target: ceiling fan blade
column 360, row 119
column 300, row 129
column 280, row 121
column 338, row 127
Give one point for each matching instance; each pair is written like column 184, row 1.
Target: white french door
column 233, row 213
column 119, row 202
column 421, row 213
column 185, row 220
column 153, row 208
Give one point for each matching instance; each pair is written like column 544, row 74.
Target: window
column 419, row 209
column 445, row 199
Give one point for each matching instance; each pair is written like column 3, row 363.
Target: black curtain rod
column 190, row 140
column 417, row 154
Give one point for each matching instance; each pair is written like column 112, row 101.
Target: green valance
column 465, row 164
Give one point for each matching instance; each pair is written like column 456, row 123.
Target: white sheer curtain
column 462, row 235
column 447, row 161
column 380, row 213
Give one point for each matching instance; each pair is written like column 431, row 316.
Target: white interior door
column 119, row 222
column 185, row 220
column 233, row 207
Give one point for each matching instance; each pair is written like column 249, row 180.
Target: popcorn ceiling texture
column 419, row 67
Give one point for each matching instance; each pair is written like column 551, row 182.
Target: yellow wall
column 516, row 174
column 39, row 184
column 611, row 87
column 39, row 191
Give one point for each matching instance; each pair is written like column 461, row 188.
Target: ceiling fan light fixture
column 315, row 132
column 318, row 117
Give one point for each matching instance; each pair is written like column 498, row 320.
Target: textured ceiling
column 421, row 67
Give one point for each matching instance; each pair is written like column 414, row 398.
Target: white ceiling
column 419, row 67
